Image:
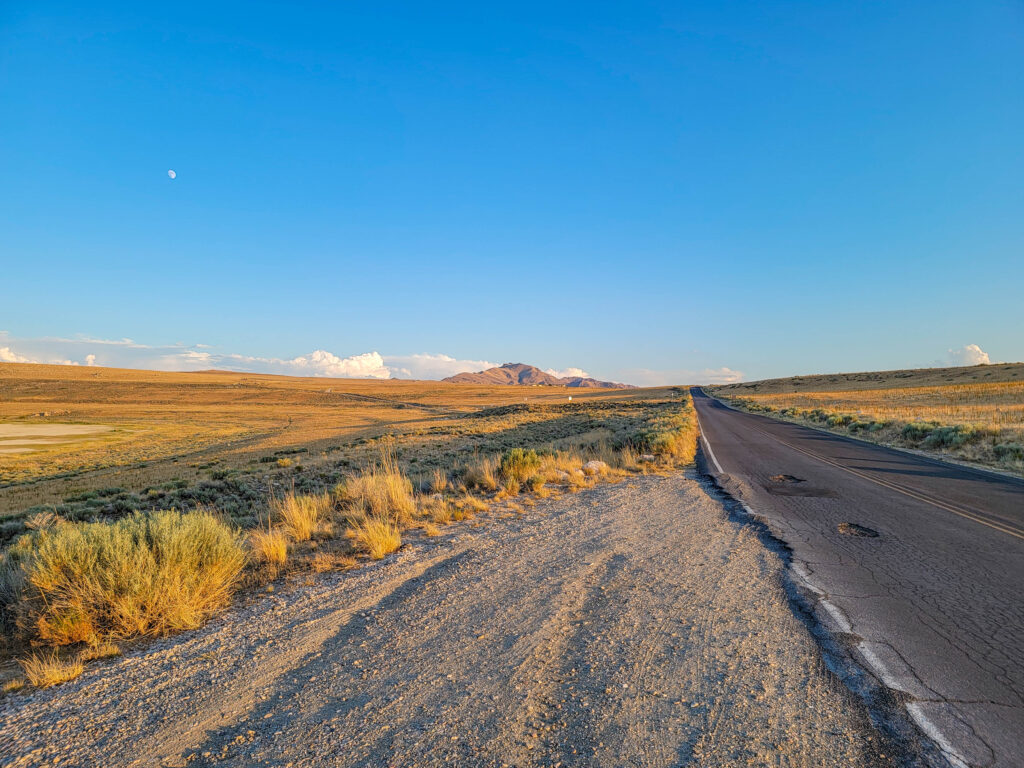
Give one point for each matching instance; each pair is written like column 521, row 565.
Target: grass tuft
column 382, row 492
column 14, row 684
column 332, row 561
column 439, row 483
column 301, row 515
column 100, row 651
column 269, row 545
column 376, row 537
column 481, row 475
column 44, row 670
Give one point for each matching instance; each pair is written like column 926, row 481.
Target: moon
column 172, row 174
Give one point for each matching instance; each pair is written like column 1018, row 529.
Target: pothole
column 852, row 529
column 785, row 479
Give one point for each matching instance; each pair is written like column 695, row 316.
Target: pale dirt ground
column 23, row 438
column 51, row 430
column 631, row 625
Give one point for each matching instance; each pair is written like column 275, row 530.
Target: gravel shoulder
column 631, row 625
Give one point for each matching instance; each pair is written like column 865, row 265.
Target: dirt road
column 631, row 625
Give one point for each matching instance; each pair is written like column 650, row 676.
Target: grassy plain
column 248, row 477
column 170, row 429
column 974, row 413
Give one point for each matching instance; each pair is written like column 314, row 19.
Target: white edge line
column 707, row 445
column 919, row 717
column 878, row 667
column 933, row 732
column 801, row 571
column 835, row 613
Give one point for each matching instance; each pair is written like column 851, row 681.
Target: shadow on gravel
column 234, row 740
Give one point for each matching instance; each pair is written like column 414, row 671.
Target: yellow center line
column 970, row 514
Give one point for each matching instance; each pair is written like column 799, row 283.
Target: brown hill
column 528, row 375
column 912, row 377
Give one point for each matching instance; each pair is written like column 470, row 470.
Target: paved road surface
column 934, row 605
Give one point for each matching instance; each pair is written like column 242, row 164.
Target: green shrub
column 917, row 431
column 1009, row 451
column 673, row 435
column 518, row 464
column 534, row 483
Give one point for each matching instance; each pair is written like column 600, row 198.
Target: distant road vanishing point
column 917, row 564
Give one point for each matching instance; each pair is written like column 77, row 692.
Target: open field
column 196, row 485
column 174, row 428
column 975, row 415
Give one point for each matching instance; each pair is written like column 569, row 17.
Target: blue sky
column 649, row 192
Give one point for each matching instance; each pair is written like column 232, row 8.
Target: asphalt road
column 933, row 605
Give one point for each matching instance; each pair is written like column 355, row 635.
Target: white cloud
column 172, row 359
column 320, row 362
column 127, row 353
column 126, row 342
column 8, row 355
column 721, row 375
column 369, row 365
column 429, row 366
column 972, row 354
column 568, row 373
column 646, row 377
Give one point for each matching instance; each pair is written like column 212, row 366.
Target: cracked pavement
column 931, row 607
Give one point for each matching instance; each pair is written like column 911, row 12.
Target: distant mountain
column 528, row 375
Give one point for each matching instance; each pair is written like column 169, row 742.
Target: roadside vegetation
column 81, row 577
column 980, row 423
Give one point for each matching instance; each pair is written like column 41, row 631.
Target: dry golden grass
column 287, row 441
column 14, row 684
column 301, row 514
column 141, row 575
column 269, row 546
column 376, row 536
column 99, row 651
column 332, row 561
column 44, row 670
column 874, row 380
column 437, row 510
column 470, row 505
column 439, row 483
column 481, row 474
column 990, row 405
column 382, row 491
column 183, row 426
